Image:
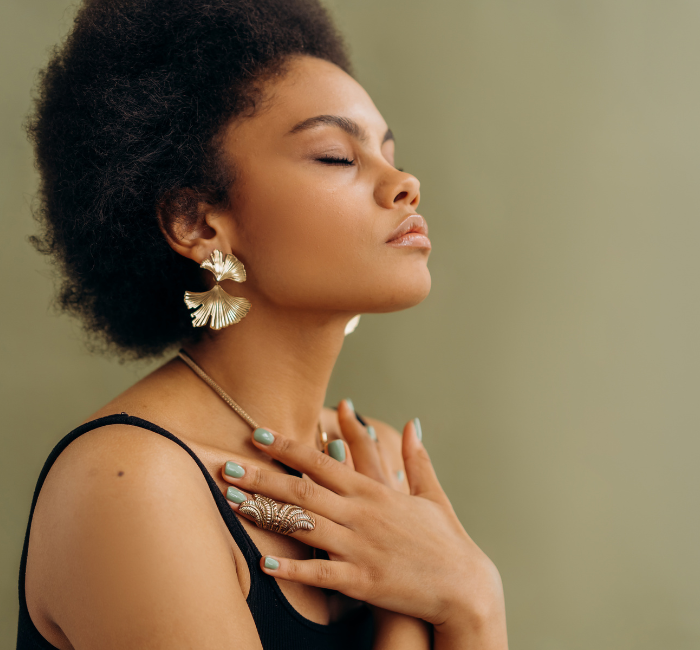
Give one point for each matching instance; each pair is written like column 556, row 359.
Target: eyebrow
column 349, row 126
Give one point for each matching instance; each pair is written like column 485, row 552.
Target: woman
column 214, row 178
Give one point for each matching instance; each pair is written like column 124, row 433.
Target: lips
column 410, row 225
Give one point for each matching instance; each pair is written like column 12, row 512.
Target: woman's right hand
column 407, row 553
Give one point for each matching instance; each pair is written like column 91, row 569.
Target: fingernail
column 336, row 449
column 271, row 563
column 399, row 475
column 350, row 404
column 419, row 431
column 232, row 494
column 233, row 469
column 263, row 436
column 372, row 433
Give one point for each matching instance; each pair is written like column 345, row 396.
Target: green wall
column 555, row 364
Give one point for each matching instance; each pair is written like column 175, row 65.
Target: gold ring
column 269, row 516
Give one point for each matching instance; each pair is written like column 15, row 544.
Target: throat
column 273, row 376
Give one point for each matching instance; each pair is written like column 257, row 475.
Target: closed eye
column 330, row 160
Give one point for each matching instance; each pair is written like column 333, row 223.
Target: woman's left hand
column 406, row 553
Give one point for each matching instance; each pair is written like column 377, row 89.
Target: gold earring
column 222, row 308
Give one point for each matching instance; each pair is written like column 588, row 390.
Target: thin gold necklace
column 322, row 435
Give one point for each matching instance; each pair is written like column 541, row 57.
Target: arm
column 136, row 556
column 400, row 632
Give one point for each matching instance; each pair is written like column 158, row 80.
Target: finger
column 419, row 469
column 340, row 451
column 326, row 534
column 341, row 576
column 349, row 461
column 385, row 462
column 321, row 468
column 302, row 492
column 364, row 448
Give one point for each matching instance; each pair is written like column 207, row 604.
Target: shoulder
column 126, row 530
column 120, row 486
column 126, row 462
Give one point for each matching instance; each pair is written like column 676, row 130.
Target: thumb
column 420, row 474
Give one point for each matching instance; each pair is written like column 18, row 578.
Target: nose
column 398, row 188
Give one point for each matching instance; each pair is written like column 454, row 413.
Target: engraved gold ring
column 269, row 516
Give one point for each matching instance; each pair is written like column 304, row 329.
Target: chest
column 317, row 605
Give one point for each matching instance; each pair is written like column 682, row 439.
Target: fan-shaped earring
column 215, row 304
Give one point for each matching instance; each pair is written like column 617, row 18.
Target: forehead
column 310, row 87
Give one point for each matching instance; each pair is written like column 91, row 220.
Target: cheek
column 317, row 241
column 307, row 242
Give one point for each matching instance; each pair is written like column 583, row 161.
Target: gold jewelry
column 264, row 511
column 268, row 516
column 215, row 304
column 322, row 435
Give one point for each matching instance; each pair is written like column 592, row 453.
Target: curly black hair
column 125, row 121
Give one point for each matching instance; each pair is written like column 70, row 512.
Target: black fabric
column 279, row 625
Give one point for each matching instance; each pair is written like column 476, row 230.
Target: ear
column 193, row 227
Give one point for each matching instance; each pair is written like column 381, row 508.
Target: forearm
column 400, row 632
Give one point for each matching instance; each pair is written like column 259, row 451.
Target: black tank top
column 279, row 625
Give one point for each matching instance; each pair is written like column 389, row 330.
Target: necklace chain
column 322, row 436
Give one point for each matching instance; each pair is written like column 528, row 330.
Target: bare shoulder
column 126, row 548
column 97, row 450
column 108, row 466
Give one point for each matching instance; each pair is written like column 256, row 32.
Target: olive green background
column 555, row 363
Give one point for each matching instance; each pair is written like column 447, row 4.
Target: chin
column 406, row 292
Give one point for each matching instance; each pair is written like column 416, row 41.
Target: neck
column 276, row 365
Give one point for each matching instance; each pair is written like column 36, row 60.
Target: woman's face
column 317, row 198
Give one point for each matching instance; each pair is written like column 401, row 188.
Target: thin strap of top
column 245, row 543
column 279, row 625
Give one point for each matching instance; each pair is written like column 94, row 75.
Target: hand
column 379, row 457
column 376, row 458
column 407, row 553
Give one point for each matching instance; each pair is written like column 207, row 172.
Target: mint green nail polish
column 271, row 563
column 263, row 436
column 372, row 433
column 232, row 494
column 399, row 475
column 419, row 431
column 350, row 404
column 233, row 469
column 336, row 449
